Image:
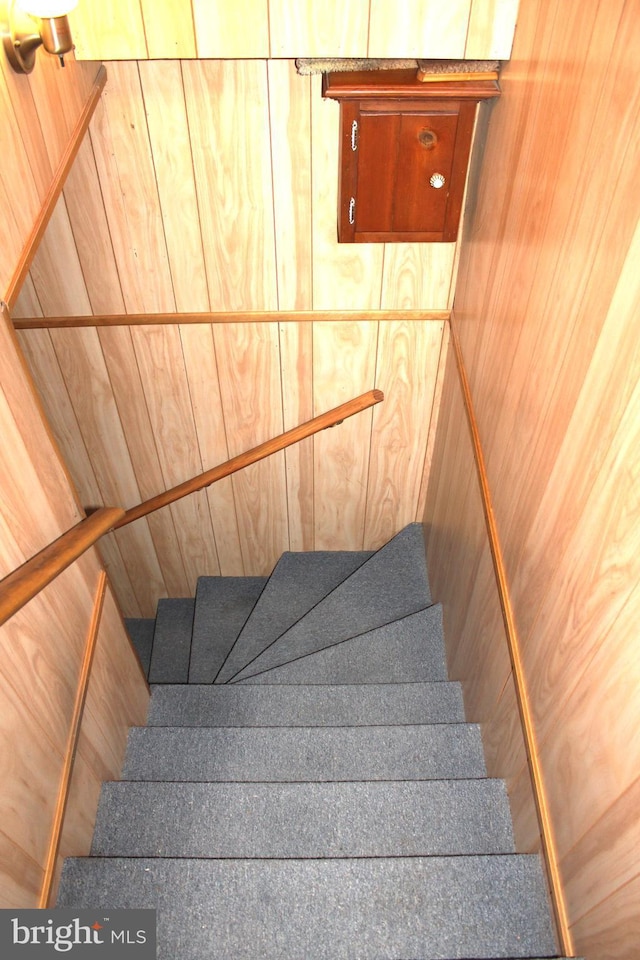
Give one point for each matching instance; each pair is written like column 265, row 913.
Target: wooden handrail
column 303, row 430
column 23, row 584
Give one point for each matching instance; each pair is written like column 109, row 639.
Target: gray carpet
column 398, row 819
column 298, row 582
column 141, row 631
column 241, row 705
column 391, row 585
column 292, row 754
column 330, row 909
column 223, row 605
column 405, row 651
column 172, row 641
column 331, row 802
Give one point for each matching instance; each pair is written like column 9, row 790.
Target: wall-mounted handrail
column 23, row 584
column 303, row 430
column 20, row 586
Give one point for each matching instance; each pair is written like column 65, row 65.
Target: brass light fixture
column 31, row 24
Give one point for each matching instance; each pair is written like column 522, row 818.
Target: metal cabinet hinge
column 354, row 135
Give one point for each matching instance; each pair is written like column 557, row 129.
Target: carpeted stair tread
column 222, row 607
column 172, row 641
column 140, row 630
column 405, row 651
column 405, row 819
column 293, row 754
column 239, row 705
column 299, row 581
column 388, row 586
column 418, row 907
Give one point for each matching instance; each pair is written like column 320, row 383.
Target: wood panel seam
column 537, row 782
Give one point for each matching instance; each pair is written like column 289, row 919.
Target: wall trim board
column 549, row 851
column 72, row 741
column 58, row 182
column 261, row 316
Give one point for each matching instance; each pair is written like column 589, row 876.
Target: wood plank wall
column 166, row 209
column 42, row 649
column 167, row 29
column 546, row 312
column 39, row 113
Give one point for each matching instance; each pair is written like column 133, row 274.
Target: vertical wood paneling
column 128, row 184
column 39, row 114
column 109, row 31
column 52, row 387
column 344, row 365
column 249, row 355
column 418, row 29
column 290, row 118
column 491, row 28
column 229, row 122
column 82, row 363
column 159, row 355
column 201, row 365
column 18, row 105
column 129, row 393
column 169, row 137
column 417, row 274
column 296, row 351
column 406, row 371
column 546, row 314
column 345, row 276
column 37, row 678
column 169, row 29
column 239, row 29
column 116, row 699
column 56, row 271
column 94, row 245
column 309, row 29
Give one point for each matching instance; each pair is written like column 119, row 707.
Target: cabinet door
column 403, row 175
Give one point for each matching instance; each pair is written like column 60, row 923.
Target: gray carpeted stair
column 324, row 798
column 172, row 641
column 299, row 705
column 299, row 581
column 141, row 631
column 327, row 909
column 293, row 754
column 391, row 585
column 405, row 651
column 222, row 607
column 397, row 819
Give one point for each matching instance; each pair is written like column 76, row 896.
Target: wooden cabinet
column 404, row 153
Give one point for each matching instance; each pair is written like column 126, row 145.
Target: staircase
column 307, row 786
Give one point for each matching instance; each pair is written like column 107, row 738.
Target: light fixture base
column 20, row 39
